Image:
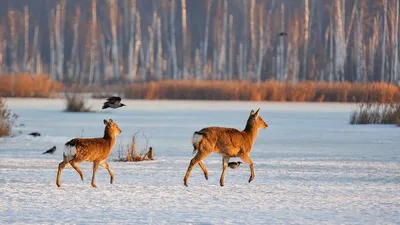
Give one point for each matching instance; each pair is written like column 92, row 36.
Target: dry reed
column 27, row 85
column 265, row 91
column 7, row 119
column 376, row 113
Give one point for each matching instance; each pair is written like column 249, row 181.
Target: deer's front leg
column 248, row 160
column 95, row 167
column 225, row 161
column 107, row 166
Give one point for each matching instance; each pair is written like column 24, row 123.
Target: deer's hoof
column 58, row 184
column 206, row 175
column 94, row 185
column 251, row 179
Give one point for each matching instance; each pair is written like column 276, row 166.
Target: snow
column 311, row 167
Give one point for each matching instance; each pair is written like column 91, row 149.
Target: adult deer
column 228, row 142
column 96, row 150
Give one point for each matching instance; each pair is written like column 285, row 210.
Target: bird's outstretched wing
column 114, row 99
column 105, row 105
column 283, row 34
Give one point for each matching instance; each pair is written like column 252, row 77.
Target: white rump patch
column 196, row 138
column 69, row 152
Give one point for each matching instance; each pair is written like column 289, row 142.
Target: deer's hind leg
column 61, row 166
column 203, row 167
column 105, row 165
column 197, row 159
column 75, row 166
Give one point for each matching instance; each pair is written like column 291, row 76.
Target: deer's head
column 112, row 128
column 256, row 121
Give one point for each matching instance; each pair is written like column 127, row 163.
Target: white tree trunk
column 185, row 57
column 360, row 53
column 222, row 53
column 175, row 72
column 26, row 39
column 205, row 51
column 231, row 48
column 131, row 39
column 383, row 41
column 114, row 47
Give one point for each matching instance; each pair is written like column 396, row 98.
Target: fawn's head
column 255, row 120
column 112, row 128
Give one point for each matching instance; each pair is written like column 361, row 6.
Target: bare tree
column 131, row 39
column 114, row 47
column 26, row 39
column 383, row 40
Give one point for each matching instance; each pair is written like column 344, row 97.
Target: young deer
column 228, row 142
column 94, row 150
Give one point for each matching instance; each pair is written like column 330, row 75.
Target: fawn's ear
column 251, row 112
column 105, row 122
column 110, row 121
column 257, row 112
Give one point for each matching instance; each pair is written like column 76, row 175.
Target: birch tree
column 383, row 40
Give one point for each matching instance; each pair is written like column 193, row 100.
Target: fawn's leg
column 247, row 159
column 61, row 166
column 105, row 165
column 203, row 167
column 199, row 156
column 95, row 167
column 75, row 166
column 225, row 161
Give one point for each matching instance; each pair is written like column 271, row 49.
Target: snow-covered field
column 311, row 167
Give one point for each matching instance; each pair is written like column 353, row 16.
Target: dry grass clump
column 7, row 119
column 27, row 85
column 131, row 153
column 376, row 113
column 76, row 102
column 265, row 91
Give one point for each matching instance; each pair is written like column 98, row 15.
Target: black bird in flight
column 234, row 165
column 35, row 134
column 283, row 34
column 50, row 151
column 113, row 102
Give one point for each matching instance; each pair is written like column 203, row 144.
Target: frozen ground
column 311, row 166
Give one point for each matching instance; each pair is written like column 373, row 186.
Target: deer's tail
column 196, row 140
column 69, row 150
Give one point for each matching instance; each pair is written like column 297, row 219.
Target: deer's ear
column 110, row 121
column 257, row 112
column 251, row 112
column 105, row 122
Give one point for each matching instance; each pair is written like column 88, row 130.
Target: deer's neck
column 251, row 131
column 108, row 136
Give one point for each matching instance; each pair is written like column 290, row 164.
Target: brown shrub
column 27, row 85
column 76, row 102
column 131, row 153
column 265, row 91
column 7, row 119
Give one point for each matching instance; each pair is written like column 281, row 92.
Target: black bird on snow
column 234, row 165
column 35, row 134
column 283, row 34
column 50, row 151
column 113, row 102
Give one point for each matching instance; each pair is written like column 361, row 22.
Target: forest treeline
column 114, row 41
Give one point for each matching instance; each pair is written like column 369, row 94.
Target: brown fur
column 96, row 150
column 228, row 142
